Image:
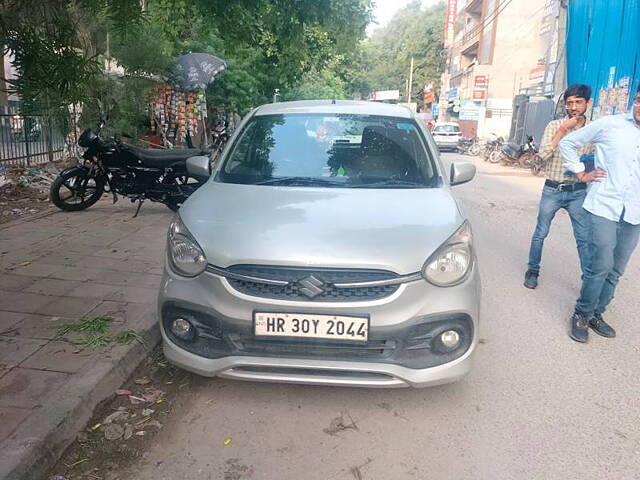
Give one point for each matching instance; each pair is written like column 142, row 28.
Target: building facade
column 503, row 49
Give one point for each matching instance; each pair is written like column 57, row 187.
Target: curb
column 39, row 442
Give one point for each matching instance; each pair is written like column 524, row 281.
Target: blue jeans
column 611, row 244
column 553, row 200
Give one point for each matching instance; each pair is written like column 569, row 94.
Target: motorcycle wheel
column 536, row 169
column 474, row 150
column 526, row 160
column 494, row 157
column 75, row 190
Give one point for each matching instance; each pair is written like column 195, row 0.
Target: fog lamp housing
column 183, row 329
column 447, row 341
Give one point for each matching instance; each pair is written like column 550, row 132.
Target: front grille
column 293, row 289
column 373, row 349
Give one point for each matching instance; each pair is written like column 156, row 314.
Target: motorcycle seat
column 165, row 158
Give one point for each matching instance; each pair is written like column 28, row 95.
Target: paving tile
column 79, row 274
column 135, row 294
column 60, row 356
column 65, row 258
column 34, row 269
column 36, row 326
column 122, row 265
column 14, row 351
column 11, row 418
column 127, row 278
column 15, row 283
column 8, row 320
column 126, row 316
column 52, row 286
column 94, row 290
column 22, row 302
column 27, row 388
column 68, row 307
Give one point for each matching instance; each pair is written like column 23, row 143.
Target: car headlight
column 452, row 262
column 185, row 255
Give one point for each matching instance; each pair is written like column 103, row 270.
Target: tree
column 413, row 32
column 60, row 46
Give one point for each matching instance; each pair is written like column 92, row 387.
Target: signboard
column 479, row 94
column 480, row 81
column 453, row 94
column 450, row 22
column 536, row 75
column 469, row 110
column 435, row 110
column 385, row 95
column 428, row 97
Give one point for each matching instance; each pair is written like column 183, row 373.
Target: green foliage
column 413, row 32
column 60, row 48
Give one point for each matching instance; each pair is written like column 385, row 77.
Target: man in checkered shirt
column 561, row 189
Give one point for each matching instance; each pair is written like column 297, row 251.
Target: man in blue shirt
column 613, row 203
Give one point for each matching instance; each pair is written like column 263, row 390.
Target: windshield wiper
column 391, row 182
column 302, row 181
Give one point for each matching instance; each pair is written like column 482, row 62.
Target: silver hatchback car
column 326, row 248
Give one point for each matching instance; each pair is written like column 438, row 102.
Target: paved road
column 536, row 406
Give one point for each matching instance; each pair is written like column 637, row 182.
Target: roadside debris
column 113, row 431
column 25, row 190
column 125, row 424
column 339, row 424
column 227, row 442
column 115, row 417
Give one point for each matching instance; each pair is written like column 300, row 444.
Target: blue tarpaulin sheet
column 603, row 50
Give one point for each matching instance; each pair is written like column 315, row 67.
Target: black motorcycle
column 139, row 174
column 469, row 146
column 519, row 155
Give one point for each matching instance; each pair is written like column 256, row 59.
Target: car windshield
column 330, row 151
column 446, row 129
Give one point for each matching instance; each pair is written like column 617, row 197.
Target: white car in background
column 447, row 135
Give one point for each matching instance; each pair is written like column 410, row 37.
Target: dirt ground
column 24, row 191
column 123, row 425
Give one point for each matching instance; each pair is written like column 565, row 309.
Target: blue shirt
column 617, row 142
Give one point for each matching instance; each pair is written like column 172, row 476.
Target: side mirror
column 199, row 167
column 462, row 172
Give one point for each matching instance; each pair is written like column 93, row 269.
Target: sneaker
column 579, row 328
column 601, row 327
column 531, row 279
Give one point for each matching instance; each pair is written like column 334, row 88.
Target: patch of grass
column 94, row 341
column 129, row 336
column 93, row 325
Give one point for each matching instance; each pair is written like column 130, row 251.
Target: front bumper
column 412, row 306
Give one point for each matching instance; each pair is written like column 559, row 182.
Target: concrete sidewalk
column 100, row 266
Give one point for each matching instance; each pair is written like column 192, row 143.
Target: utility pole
column 410, row 82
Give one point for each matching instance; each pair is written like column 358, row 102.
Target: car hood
column 390, row 229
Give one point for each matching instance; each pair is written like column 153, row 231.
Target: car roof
column 455, row 124
column 335, row 107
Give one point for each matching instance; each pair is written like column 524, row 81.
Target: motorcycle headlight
column 452, row 262
column 185, row 255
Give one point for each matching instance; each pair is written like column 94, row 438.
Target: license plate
column 304, row 325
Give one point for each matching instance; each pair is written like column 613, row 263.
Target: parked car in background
column 326, row 248
column 447, row 135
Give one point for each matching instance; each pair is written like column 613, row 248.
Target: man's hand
column 569, row 124
column 596, row 175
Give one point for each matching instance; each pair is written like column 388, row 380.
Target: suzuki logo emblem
column 311, row 286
